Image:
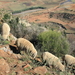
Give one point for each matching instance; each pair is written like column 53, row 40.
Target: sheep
column 52, row 60
column 5, row 31
column 69, row 62
column 26, row 45
column 69, row 59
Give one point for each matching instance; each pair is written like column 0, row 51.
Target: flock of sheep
column 49, row 58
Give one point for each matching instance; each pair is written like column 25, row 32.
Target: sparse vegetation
column 53, row 42
column 25, row 58
column 3, row 42
column 26, row 69
column 1, row 57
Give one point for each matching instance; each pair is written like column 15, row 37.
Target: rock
column 19, row 56
column 6, row 48
column 4, row 67
column 9, row 53
column 40, row 70
column 16, row 56
column 3, row 54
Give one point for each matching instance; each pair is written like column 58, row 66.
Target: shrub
column 17, row 29
column 6, row 16
column 53, row 42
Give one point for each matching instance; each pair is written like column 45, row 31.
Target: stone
column 40, row 70
column 3, row 54
column 16, row 56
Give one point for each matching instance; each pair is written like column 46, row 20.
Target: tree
column 53, row 42
column 6, row 17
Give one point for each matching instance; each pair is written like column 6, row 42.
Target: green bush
column 17, row 29
column 53, row 42
column 6, row 16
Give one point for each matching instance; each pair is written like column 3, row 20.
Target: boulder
column 40, row 70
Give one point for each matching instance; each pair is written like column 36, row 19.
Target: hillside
column 35, row 16
column 21, row 5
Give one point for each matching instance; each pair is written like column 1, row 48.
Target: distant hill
column 21, row 5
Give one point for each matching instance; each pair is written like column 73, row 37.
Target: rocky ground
column 12, row 63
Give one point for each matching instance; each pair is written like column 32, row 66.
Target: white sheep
column 26, row 45
column 52, row 60
column 70, row 63
column 69, row 59
column 5, row 31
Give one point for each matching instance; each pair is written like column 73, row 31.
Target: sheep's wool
column 53, row 60
column 5, row 31
column 69, row 59
column 27, row 46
